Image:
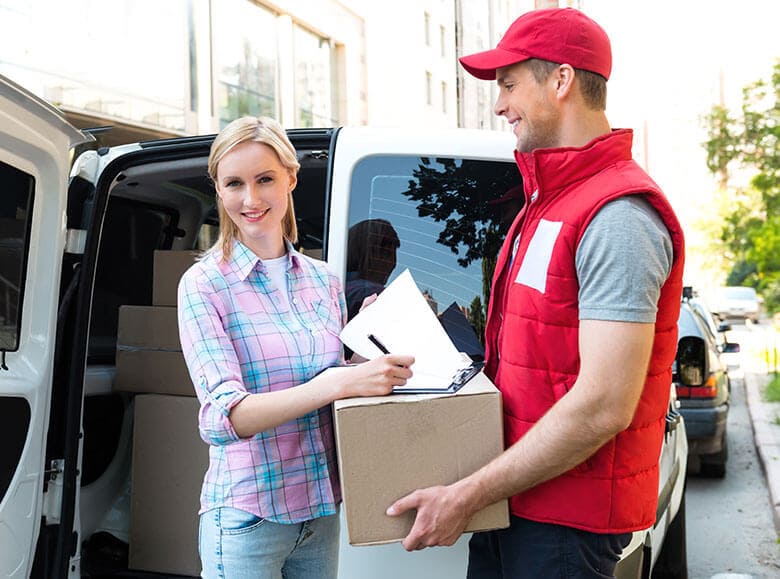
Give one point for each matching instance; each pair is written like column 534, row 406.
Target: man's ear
column 563, row 80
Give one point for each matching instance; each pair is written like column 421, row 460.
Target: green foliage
column 749, row 227
column 457, row 193
column 772, row 390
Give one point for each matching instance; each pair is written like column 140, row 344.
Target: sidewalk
column 767, row 434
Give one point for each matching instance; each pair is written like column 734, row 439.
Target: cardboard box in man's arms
column 392, row 445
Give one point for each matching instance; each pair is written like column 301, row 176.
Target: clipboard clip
column 467, row 373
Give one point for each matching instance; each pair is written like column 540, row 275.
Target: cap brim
column 483, row 65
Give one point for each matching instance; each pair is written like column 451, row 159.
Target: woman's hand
column 376, row 377
column 367, row 301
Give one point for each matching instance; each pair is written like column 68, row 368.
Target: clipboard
column 458, row 381
column 401, row 321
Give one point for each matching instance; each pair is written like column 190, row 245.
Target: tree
column 457, row 193
column 747, row 143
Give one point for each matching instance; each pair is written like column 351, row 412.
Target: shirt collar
column 546, row 171
column 243, row 260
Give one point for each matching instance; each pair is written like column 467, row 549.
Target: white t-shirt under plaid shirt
column 239, row 336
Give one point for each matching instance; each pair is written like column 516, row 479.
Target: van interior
column 167, row 204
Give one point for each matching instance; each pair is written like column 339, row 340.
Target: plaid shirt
column 239, row 338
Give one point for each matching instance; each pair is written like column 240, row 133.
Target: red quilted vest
column 535, row 331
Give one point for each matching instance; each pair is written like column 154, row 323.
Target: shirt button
column 314, row 420
column 323, row 461
column 295, row 301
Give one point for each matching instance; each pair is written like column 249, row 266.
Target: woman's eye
column 233, row 183
column 265, row 179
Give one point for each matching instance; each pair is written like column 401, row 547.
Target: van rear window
column 16, row 203
column 442, row 218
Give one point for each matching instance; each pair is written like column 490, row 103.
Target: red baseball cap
column 561, row 35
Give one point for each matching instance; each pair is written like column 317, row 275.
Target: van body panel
column 35, row 140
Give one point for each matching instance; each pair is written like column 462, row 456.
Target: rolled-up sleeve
column 210, row 356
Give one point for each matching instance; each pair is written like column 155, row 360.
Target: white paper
column 404, row 323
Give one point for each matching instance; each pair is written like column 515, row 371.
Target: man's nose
column 499, row 107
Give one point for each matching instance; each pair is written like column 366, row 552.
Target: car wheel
column 714, row 465
column 672, row 562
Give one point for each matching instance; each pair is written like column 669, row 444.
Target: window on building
column 434, row 217
column 427, row 29
column 443, row 97
column 16, row 205
column 137, row 65
column 245, row 60
column 429, row 88
column 315, row 80
column 443, row 41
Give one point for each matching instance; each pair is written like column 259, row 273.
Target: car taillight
column 707, row 390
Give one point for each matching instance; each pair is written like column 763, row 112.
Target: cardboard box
column 148, row 327
column 169, row 462
column 392, row 445
column 169, row 266
column 148, row 356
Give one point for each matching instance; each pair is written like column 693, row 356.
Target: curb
column 767, row 438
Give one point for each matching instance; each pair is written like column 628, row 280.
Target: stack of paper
column 402, row 321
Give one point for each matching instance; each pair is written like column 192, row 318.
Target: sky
column 668, row 60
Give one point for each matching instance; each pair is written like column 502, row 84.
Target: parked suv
column 80, row 231
column 703, row 385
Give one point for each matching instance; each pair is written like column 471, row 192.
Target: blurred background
column 151, row 69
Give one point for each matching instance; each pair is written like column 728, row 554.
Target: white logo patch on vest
column 533, row 270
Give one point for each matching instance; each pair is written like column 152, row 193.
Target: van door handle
column 672, row 420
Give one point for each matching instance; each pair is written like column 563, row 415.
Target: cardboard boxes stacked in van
column 148, row 356
column 169, row 457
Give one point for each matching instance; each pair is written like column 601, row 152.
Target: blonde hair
column 266, row 131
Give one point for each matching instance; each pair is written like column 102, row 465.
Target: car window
column 706, row 320
column 738, row 293
column 16, row 205
column 444, row 219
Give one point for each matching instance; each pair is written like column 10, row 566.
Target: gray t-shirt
column 623, row 259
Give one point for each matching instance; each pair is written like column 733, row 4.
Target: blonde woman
column 258, row 321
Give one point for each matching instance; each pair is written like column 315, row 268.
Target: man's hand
column 442, row 515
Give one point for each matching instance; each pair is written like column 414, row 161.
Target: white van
column 79, row 231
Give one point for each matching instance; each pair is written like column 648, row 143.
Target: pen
column 374, row 340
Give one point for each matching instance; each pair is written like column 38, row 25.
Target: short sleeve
column 622, row 260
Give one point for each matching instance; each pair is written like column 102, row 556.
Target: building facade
column 152, row 69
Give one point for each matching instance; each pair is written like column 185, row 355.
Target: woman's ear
column 293, row 181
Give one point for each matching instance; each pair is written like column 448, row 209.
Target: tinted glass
column 16, row 201
column 132, row 231
column 314, row 86
column 245, row 60
column 443, row 220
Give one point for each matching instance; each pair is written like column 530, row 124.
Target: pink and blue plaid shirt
column 239, row 338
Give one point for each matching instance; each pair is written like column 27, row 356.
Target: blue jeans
column 528, row 550
column 235, row 544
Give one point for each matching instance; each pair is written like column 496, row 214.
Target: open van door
column 35, row 145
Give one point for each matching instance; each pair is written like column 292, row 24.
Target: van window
column 16, row 204
column 132, row 231
column 442, row 218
